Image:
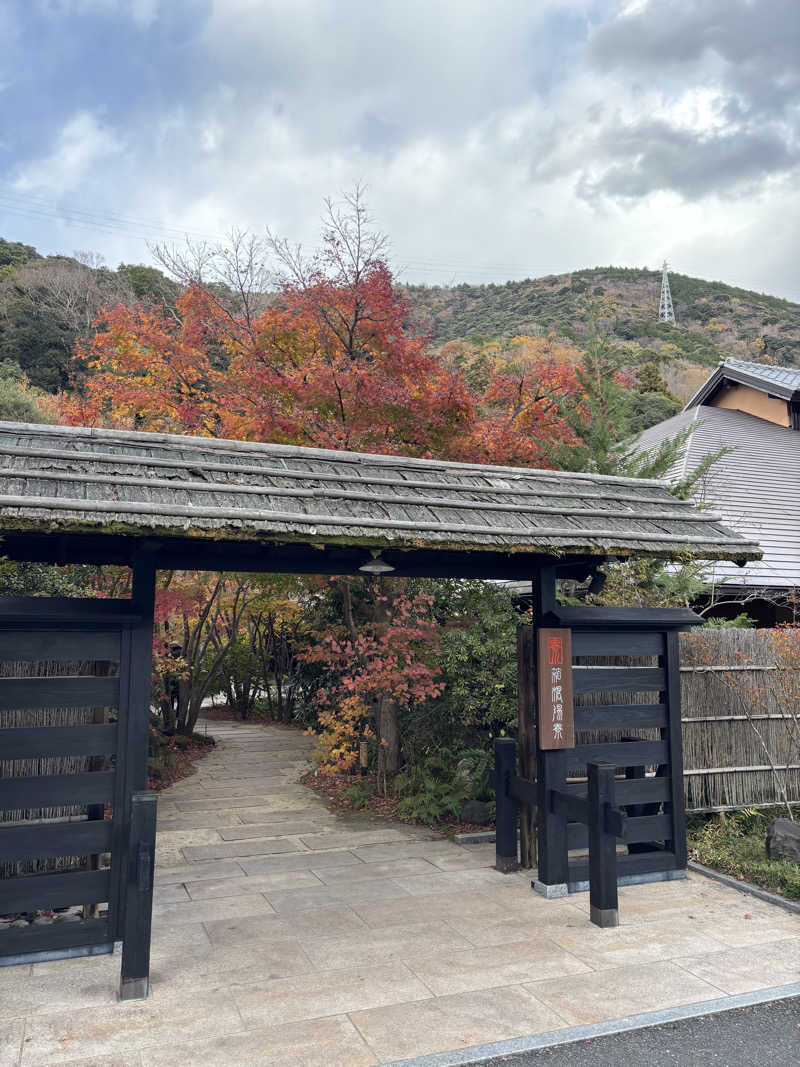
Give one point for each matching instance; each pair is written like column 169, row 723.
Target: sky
column 496, row 139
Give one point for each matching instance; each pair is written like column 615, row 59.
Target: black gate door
column 67, row 771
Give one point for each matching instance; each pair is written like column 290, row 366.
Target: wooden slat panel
column 620, row 716
column 14, row 942
column 637, row 829
column 622, row 753
column 650, row 790
column 637, row 863
column 31, row 742
column 56, row 790
column 50, row 645
column 611, row 643
column 46, row 841
column 619, row 679
column 54, row 890
column 20, row 693
column 648, row 828
column 634, row 619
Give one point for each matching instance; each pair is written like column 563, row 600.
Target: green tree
column 148, row 284
column 17, row 399
column 600, row 421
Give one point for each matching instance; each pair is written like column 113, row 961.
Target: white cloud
column 83, row 147
column 493, row 141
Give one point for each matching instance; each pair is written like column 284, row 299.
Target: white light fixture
column 376, row 565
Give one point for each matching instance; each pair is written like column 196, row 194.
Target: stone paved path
column 286, row 936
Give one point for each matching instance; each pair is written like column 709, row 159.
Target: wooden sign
column 554, row 661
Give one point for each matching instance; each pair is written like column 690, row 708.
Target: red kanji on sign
column 555, row 651
column 555, row 721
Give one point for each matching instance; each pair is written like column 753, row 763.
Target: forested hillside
column 713, row 320
column 48, row 302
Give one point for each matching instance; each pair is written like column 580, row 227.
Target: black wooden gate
column 73, row 750
column 627, row 686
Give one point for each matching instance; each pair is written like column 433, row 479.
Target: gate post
column 552, row 873
column 138, row 895
column 603, row 903
column 505, row 766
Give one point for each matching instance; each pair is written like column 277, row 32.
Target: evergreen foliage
column 714, row 320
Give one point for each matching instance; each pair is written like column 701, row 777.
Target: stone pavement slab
column 352, row 893
column 285, row 828
column 331, row 1042
column 125, row 1027
column 263, row 883
column 585, row 998
column 329, row 993
column 742, row 970
column 323, row 922
column 266, row 846
column 303, row 861
column 286, row 935
column 404, row 1030
column 11, row 1034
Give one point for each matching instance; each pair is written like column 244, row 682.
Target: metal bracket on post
column 603, row 820
column 138, row 899
column 505, row 768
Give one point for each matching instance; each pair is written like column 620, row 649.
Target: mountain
column 46, row 302
column 714, row 320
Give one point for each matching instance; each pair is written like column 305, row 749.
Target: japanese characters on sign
column 554, row 661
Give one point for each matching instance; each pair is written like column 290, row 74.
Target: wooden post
column 138, row 894
column 603, row 904
column 672, row 734
column 505, row 760
column 526, row 736
column 551, row 768
column 135, row 903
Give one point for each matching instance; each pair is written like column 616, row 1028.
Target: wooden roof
column 75, row 481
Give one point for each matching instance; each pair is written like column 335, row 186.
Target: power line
column 113, row 224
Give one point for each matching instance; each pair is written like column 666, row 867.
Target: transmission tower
column 665, row 312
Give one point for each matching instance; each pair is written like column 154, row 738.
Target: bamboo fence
column 740, row 710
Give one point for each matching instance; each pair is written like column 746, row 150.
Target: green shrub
column 431, row 799
column 360, row 792
column 735, row 844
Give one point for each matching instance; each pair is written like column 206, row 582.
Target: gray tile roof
column 755, row 487
column 778, row 381
column 86, row 480
column 783, row 375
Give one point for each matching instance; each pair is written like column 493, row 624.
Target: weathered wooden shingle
column 78, row 479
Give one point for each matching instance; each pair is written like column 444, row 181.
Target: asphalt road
column 767, row 1034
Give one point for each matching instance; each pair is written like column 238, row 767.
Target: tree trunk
column 387, row 731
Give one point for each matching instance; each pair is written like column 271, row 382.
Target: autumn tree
column 324, row 358
column 526, row 384
column 376, row 661
column 197, row 619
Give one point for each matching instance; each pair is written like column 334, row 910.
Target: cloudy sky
column 497, row 138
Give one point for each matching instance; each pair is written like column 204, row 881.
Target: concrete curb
column 745, row 887
column 478, row 837
column 571, row 1034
